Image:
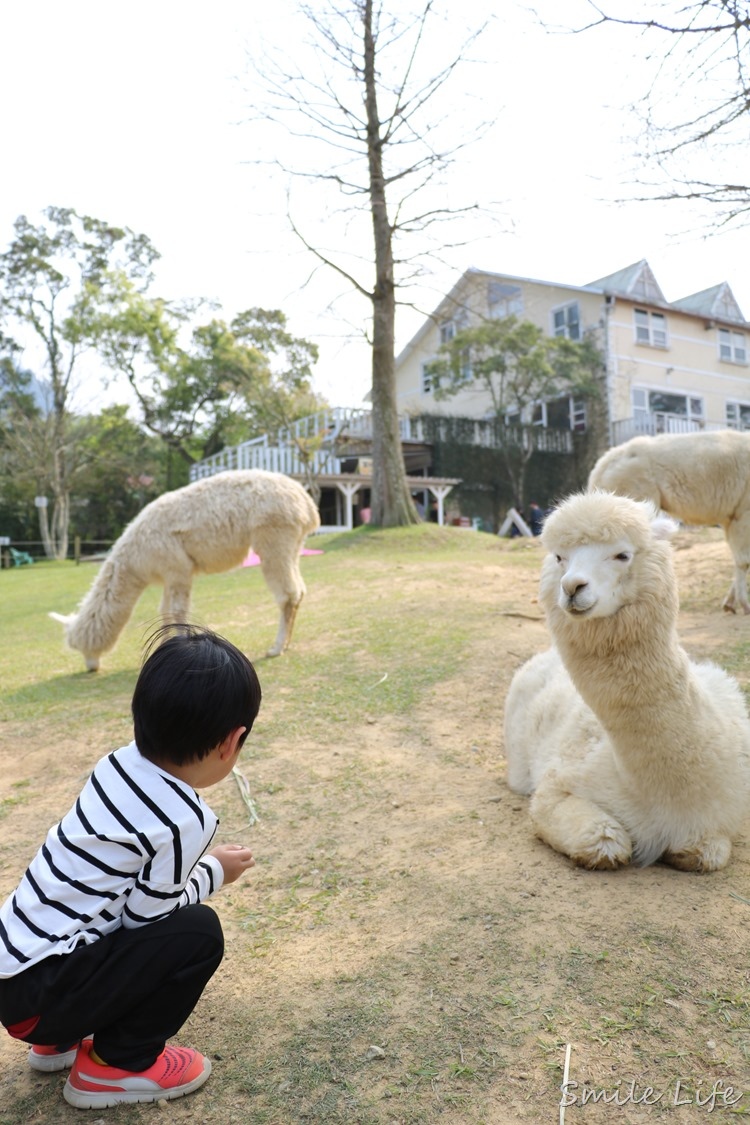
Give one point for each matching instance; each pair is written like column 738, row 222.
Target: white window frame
column 447, row 331
column 568, row 322
column 694, row 416
column 732, row 346
column 650, row 328
column 576, row 412
column 504, row 300
column 426, row 387
column 734, row 411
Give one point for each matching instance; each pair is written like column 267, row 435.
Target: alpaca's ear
column 663, row 526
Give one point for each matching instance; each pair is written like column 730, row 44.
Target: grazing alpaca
column 700, row 478
column 630, row 750
column 206, row 527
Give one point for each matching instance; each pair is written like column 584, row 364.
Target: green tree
column 518, row 367
column 17, row 512
column 125, row 468
column 52, row 278
column 226, row 383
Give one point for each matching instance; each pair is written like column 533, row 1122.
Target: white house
column 670, row 366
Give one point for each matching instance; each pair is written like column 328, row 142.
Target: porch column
column 440, row 491
column 349, row 491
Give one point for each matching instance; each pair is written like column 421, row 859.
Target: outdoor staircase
column 316, row 444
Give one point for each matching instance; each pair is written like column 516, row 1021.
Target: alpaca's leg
column 279, row 561
column 738, row 538
column 578, row 828
column 707, row 855
column 175, row 601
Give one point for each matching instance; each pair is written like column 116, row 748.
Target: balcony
column 649, row 425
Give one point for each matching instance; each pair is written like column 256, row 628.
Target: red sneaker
column 50, row 1059
column 177, row 1071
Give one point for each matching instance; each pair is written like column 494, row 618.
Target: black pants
column 132, row 989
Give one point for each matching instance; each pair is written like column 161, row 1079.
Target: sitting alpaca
column 630, row 750
column 208, row 526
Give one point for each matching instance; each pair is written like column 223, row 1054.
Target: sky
column 143, row 114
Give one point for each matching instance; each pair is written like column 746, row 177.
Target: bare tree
column 696, row 108
column 370, row 105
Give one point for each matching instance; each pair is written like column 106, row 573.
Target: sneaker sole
column 49, row 1064
column 89, row 1099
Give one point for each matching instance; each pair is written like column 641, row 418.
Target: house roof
column 718, row 301
column 636, row 281
column 633, row 281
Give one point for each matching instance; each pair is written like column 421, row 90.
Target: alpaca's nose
column 572, row 584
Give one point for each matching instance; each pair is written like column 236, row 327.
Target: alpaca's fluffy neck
column 632, row 672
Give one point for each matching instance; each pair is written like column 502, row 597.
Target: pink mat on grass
column 254, row 560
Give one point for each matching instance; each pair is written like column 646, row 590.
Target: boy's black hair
column 194, row 689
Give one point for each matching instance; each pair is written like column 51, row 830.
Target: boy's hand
column 234, row 858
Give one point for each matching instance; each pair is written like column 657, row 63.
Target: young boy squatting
column 105, row 945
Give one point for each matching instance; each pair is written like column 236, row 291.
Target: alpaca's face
column 591, row 579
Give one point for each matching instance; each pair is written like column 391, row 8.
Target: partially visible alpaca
column 207, row 527
column 630, row 750
column 700, row 478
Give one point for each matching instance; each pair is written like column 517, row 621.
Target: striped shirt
column 128, row 853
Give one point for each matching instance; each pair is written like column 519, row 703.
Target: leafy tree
column 518, row 367
column 125, row 470
column 228, row 382
column 698, row 101
column 372, row 106
column 17, row 512
column 52, row 277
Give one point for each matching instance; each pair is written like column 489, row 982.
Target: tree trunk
column 392, row 505
column 49, row 550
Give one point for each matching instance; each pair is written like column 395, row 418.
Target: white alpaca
column 206, row 527
column 630, row 750
column 700, row 478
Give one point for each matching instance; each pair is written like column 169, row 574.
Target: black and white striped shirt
column 128, row 853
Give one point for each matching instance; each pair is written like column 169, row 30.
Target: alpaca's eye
column 558, row 558
column 623, row 556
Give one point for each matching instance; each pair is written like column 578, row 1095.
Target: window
column 732, row 346
column 663, row 412
column 738, row 415
column 567, row 321
column 447, row 331
column 566, row 413
column 504, row 300
column 650, row 328
column 426, row 379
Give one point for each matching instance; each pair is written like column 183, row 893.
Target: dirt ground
column 410, row 953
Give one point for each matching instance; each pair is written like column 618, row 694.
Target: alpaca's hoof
column 608, row 849
column 274, row 651
column 92, row 663
column 709, row 855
